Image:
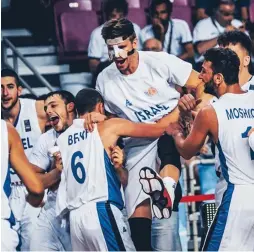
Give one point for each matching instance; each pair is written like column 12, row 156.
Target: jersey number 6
column 78, row 170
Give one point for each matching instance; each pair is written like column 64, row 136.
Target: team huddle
column 99, row 196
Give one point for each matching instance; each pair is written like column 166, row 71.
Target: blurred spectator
column 205, row 9
column 174, row 34
column 152, row 44
column 206, row 31
column 97, row 49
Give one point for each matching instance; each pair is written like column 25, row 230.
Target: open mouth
column 120, row 62
column 6, row 100
column 54, row 120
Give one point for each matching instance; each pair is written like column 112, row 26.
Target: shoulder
column 180, row 23
column 136, row 28
column 107, row 74
column 203, row 23
column 146, row 29
column 97, row 32
column 27, row 102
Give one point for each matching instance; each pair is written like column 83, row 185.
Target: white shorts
column 9, row 237
column 99, row 227
column 25, row 215
column 139, row 153
column 50, row 233
column 233, row 226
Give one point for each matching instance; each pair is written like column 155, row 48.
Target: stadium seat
column 252, row 11
column 144, row 4
column 184, row 13
column 137, row 16
column 96, row 5
column 134, row 3
column 76, row 31
column 181, row 2
column 72, row 29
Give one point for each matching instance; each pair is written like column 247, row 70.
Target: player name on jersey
column 76, row 137
column 237, row 113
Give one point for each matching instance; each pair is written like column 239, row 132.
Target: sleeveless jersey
column 235, row 114
column 249, row 86
column 5, row 173
column 28, row 127
column 88, row 174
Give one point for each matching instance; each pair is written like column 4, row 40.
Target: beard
column 209, row 88
column 11, row 106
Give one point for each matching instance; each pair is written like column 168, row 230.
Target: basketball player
column 49, row 234
column 13, row 153
column 140, row 86
column 92, row 187
column 228, row 122
column 29, row 119
column 241, row 44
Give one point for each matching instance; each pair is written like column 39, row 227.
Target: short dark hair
column 220, row 2
column 118, row 28
column 110, row 5
column 86, row 100
column 226, row 62
column 155, row 3
column 235, row 37
column 7, row 72
column 66, row 96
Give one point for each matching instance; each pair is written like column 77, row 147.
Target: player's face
column 57, row 113
column 121, row 63
column 242, row 55
column 9, row 92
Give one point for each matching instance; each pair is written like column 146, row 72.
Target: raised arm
column 23, row 168
column 204, row 125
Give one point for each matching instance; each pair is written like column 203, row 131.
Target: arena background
column 49, row 52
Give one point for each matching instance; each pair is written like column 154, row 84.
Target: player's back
column 235, row 114
column 88, row 171
column 5, row 173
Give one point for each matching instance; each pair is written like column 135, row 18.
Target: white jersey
column 147, row 94
column 144, row 96
column 235, row 114
column 28, row 127
column 249, row 86
column 5, row 173
column 88, row 174
column 40, row 155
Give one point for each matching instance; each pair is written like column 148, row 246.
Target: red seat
column 184, row 13
column 74, row 22
column 134, row 3
column 251, row 10
column 181, row 2
column 137, row 16
column 76, row 30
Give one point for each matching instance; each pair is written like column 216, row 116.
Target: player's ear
column 101, row 108
column 218, row 79
column 70, row 107
column 19, row 90
column 246, row 61
column 135, row 43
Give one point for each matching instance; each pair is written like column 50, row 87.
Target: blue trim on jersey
column 217, row 229
column 107, row 227
column 7, row 191
column 114, row 184
column 251, row 87
column 224, row 167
